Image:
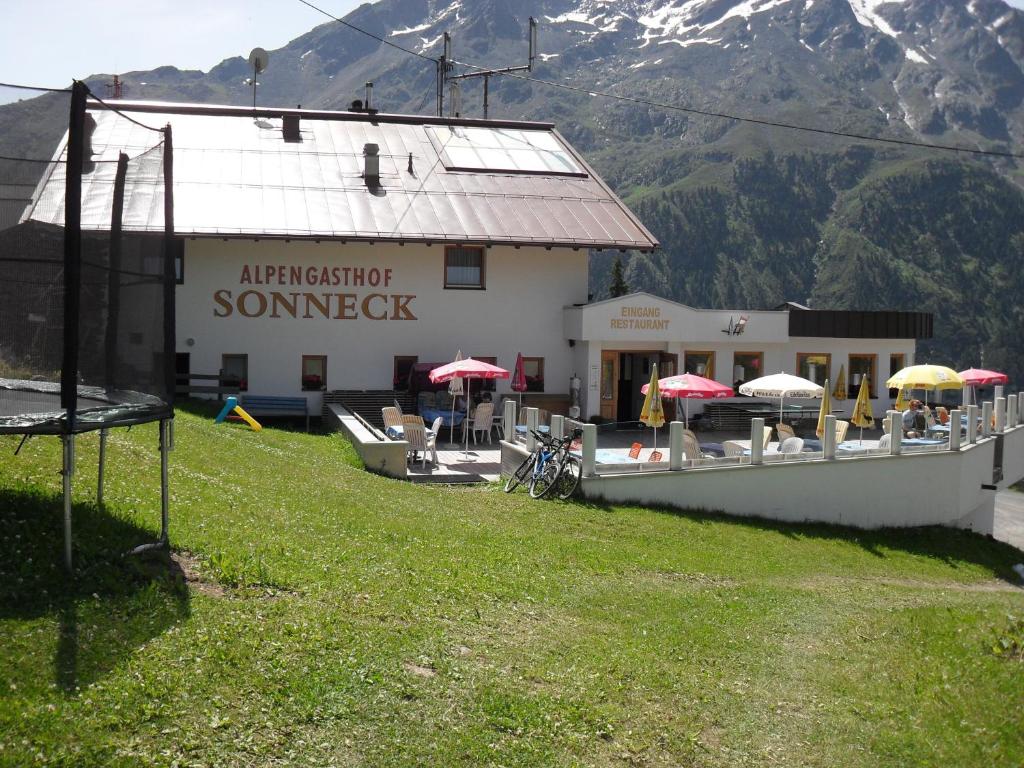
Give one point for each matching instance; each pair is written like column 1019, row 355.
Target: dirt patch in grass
column 190, row 567
column 419, row 670
column 990, row 586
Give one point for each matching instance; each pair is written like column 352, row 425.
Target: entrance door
column 668, row 365
column 609, row 385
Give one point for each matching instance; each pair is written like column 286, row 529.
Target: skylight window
column 506, row 150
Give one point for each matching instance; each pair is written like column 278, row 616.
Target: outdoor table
column 921, row 441
column 429, row 414
column 943, row 429
column 398, row 432
column 608, row 456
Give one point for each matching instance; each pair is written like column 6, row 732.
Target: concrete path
column 1009, row 521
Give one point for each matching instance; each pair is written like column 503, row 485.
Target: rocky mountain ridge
column 749, row 215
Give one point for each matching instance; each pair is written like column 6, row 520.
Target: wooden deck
column 482, row 465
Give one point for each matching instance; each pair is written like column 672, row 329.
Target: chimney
column 290, row 128
column 369, row 94
column 371, row 165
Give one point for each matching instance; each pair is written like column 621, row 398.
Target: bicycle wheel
column 541, row 483
column 569, row 479
column 521, row 474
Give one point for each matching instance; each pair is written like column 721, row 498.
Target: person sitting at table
column 914, row 420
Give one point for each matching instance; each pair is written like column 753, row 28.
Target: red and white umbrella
column 979, row 377
column 467, row 369
column 690, row 386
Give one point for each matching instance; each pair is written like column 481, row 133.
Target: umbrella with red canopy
column 690, row 386
column 467, row 369
column 979, row 377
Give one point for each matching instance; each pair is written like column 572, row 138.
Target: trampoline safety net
column 86, row 275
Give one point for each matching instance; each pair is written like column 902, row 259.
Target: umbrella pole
column 469, row 383
column 451, row 427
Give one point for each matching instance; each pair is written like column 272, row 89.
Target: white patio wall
column 934, row 488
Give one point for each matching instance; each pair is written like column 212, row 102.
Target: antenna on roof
column 486, row 73
column 444, row 70
column 258, row 60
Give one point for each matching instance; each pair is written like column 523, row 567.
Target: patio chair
column 792, row 445
column 784, row 432
column 435, row 430
column 767, row 436
column 691, row 448
column 731, row 449
column 841, row 427
column 398, row 405
column 392, row 416
column 416, row 436
column 884, row 441
column 483, row 421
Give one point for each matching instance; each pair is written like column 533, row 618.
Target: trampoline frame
column 65, row 422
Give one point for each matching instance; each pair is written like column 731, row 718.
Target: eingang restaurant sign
column 639, row 319
column 310, row 292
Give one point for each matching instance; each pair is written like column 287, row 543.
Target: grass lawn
column 336, row 618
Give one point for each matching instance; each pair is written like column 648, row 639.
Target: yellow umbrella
column 862, row 413
column 826, row 408
column 839, row 393
column 925, row 377
column 653, row 414
column 902, row 400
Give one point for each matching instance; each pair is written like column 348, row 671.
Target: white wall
column 934, row 488
column 519, row 311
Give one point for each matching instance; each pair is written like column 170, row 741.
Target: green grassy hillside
column 324, row 616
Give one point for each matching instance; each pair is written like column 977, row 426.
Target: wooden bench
column 260, row 405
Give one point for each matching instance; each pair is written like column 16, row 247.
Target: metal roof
column 236, row 176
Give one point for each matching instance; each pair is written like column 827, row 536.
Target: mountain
column 749, row 215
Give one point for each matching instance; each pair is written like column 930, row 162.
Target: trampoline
column 87, row 293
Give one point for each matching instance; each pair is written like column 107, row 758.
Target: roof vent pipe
column 290, row 128
column 369, row 94
column 371, row 165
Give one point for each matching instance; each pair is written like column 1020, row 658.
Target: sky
column 50, row 42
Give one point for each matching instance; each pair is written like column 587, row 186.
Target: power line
column 122, row 114
column 21, row 87
column 378, row 38
column 689, row 110
column 755, row 120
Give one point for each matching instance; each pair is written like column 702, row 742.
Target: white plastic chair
column 483, row 420
column 435, row 429
column 392, row 416
column 784, row 431
column 416, row 436
column 792, row 445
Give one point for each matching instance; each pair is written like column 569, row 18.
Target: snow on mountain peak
column 867, row 14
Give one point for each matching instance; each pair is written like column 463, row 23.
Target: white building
column 332, row 250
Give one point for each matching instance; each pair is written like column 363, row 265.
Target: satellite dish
column 258, row 59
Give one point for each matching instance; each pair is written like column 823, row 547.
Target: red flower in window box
column 312, row 381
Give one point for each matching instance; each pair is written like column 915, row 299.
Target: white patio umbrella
column 781, row 385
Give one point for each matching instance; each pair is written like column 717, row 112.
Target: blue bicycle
column 550, row 467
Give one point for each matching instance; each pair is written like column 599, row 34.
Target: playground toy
column 232, row 406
